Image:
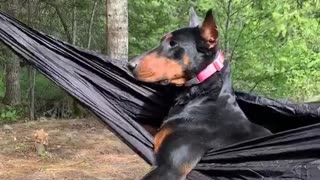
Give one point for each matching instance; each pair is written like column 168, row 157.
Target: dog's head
column 181, row 54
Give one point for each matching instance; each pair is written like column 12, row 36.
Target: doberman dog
column 205, row 113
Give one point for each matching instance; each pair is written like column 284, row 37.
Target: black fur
column 203, row 116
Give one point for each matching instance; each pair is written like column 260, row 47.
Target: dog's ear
column 194, row 19
column 209, row 30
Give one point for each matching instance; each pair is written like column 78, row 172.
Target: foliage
column 43, row 87
column 10, row 114
column 150, row 20
column 274, row 46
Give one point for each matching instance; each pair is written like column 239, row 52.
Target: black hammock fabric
column 106, row 87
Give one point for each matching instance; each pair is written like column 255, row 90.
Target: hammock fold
column 106, row 87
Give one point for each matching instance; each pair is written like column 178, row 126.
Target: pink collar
column 212, row 68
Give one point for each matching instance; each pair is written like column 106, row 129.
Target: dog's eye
column 173, row 44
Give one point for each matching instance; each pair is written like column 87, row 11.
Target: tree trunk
column 76, row 108
column 117, row 29
column 12, row 95
column 31, row 77
column 74, row 24
column 32, row 84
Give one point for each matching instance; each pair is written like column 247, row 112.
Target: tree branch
column 275, row 75
column 227, row 43
column 91, row 23
column 64, row 24
column 259, row 81
column 236, row 42
column 239, row 9
column 60, row 15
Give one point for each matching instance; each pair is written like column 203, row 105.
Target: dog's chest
column 203, row 109
column 209, row 110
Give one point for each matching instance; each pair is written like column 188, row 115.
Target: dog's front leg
column 176, row 155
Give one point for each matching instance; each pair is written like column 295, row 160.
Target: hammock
column 106, row 87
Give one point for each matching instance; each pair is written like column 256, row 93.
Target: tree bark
column 32, row 77
column 117, row 29
column 12, row 95
column 32, row 84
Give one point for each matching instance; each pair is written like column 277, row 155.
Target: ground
column 78, row 149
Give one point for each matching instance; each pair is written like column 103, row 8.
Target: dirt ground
column 78, row 150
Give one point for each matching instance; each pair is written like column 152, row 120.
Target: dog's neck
column 226, row 79
column 218, row 83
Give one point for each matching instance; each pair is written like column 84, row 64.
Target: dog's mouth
column 164, row 82
column 160, row 79
column 176, row 82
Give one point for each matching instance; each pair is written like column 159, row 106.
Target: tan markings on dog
column 186, row 60
column 154, row 68
column 152, row 130
column 179, row 81
column 185, row 169
column 160, row 137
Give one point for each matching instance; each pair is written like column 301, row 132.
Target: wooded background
column 274, row 46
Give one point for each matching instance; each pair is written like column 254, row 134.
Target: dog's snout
column 132, row 65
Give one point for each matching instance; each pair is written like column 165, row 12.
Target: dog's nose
column 132, row 65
